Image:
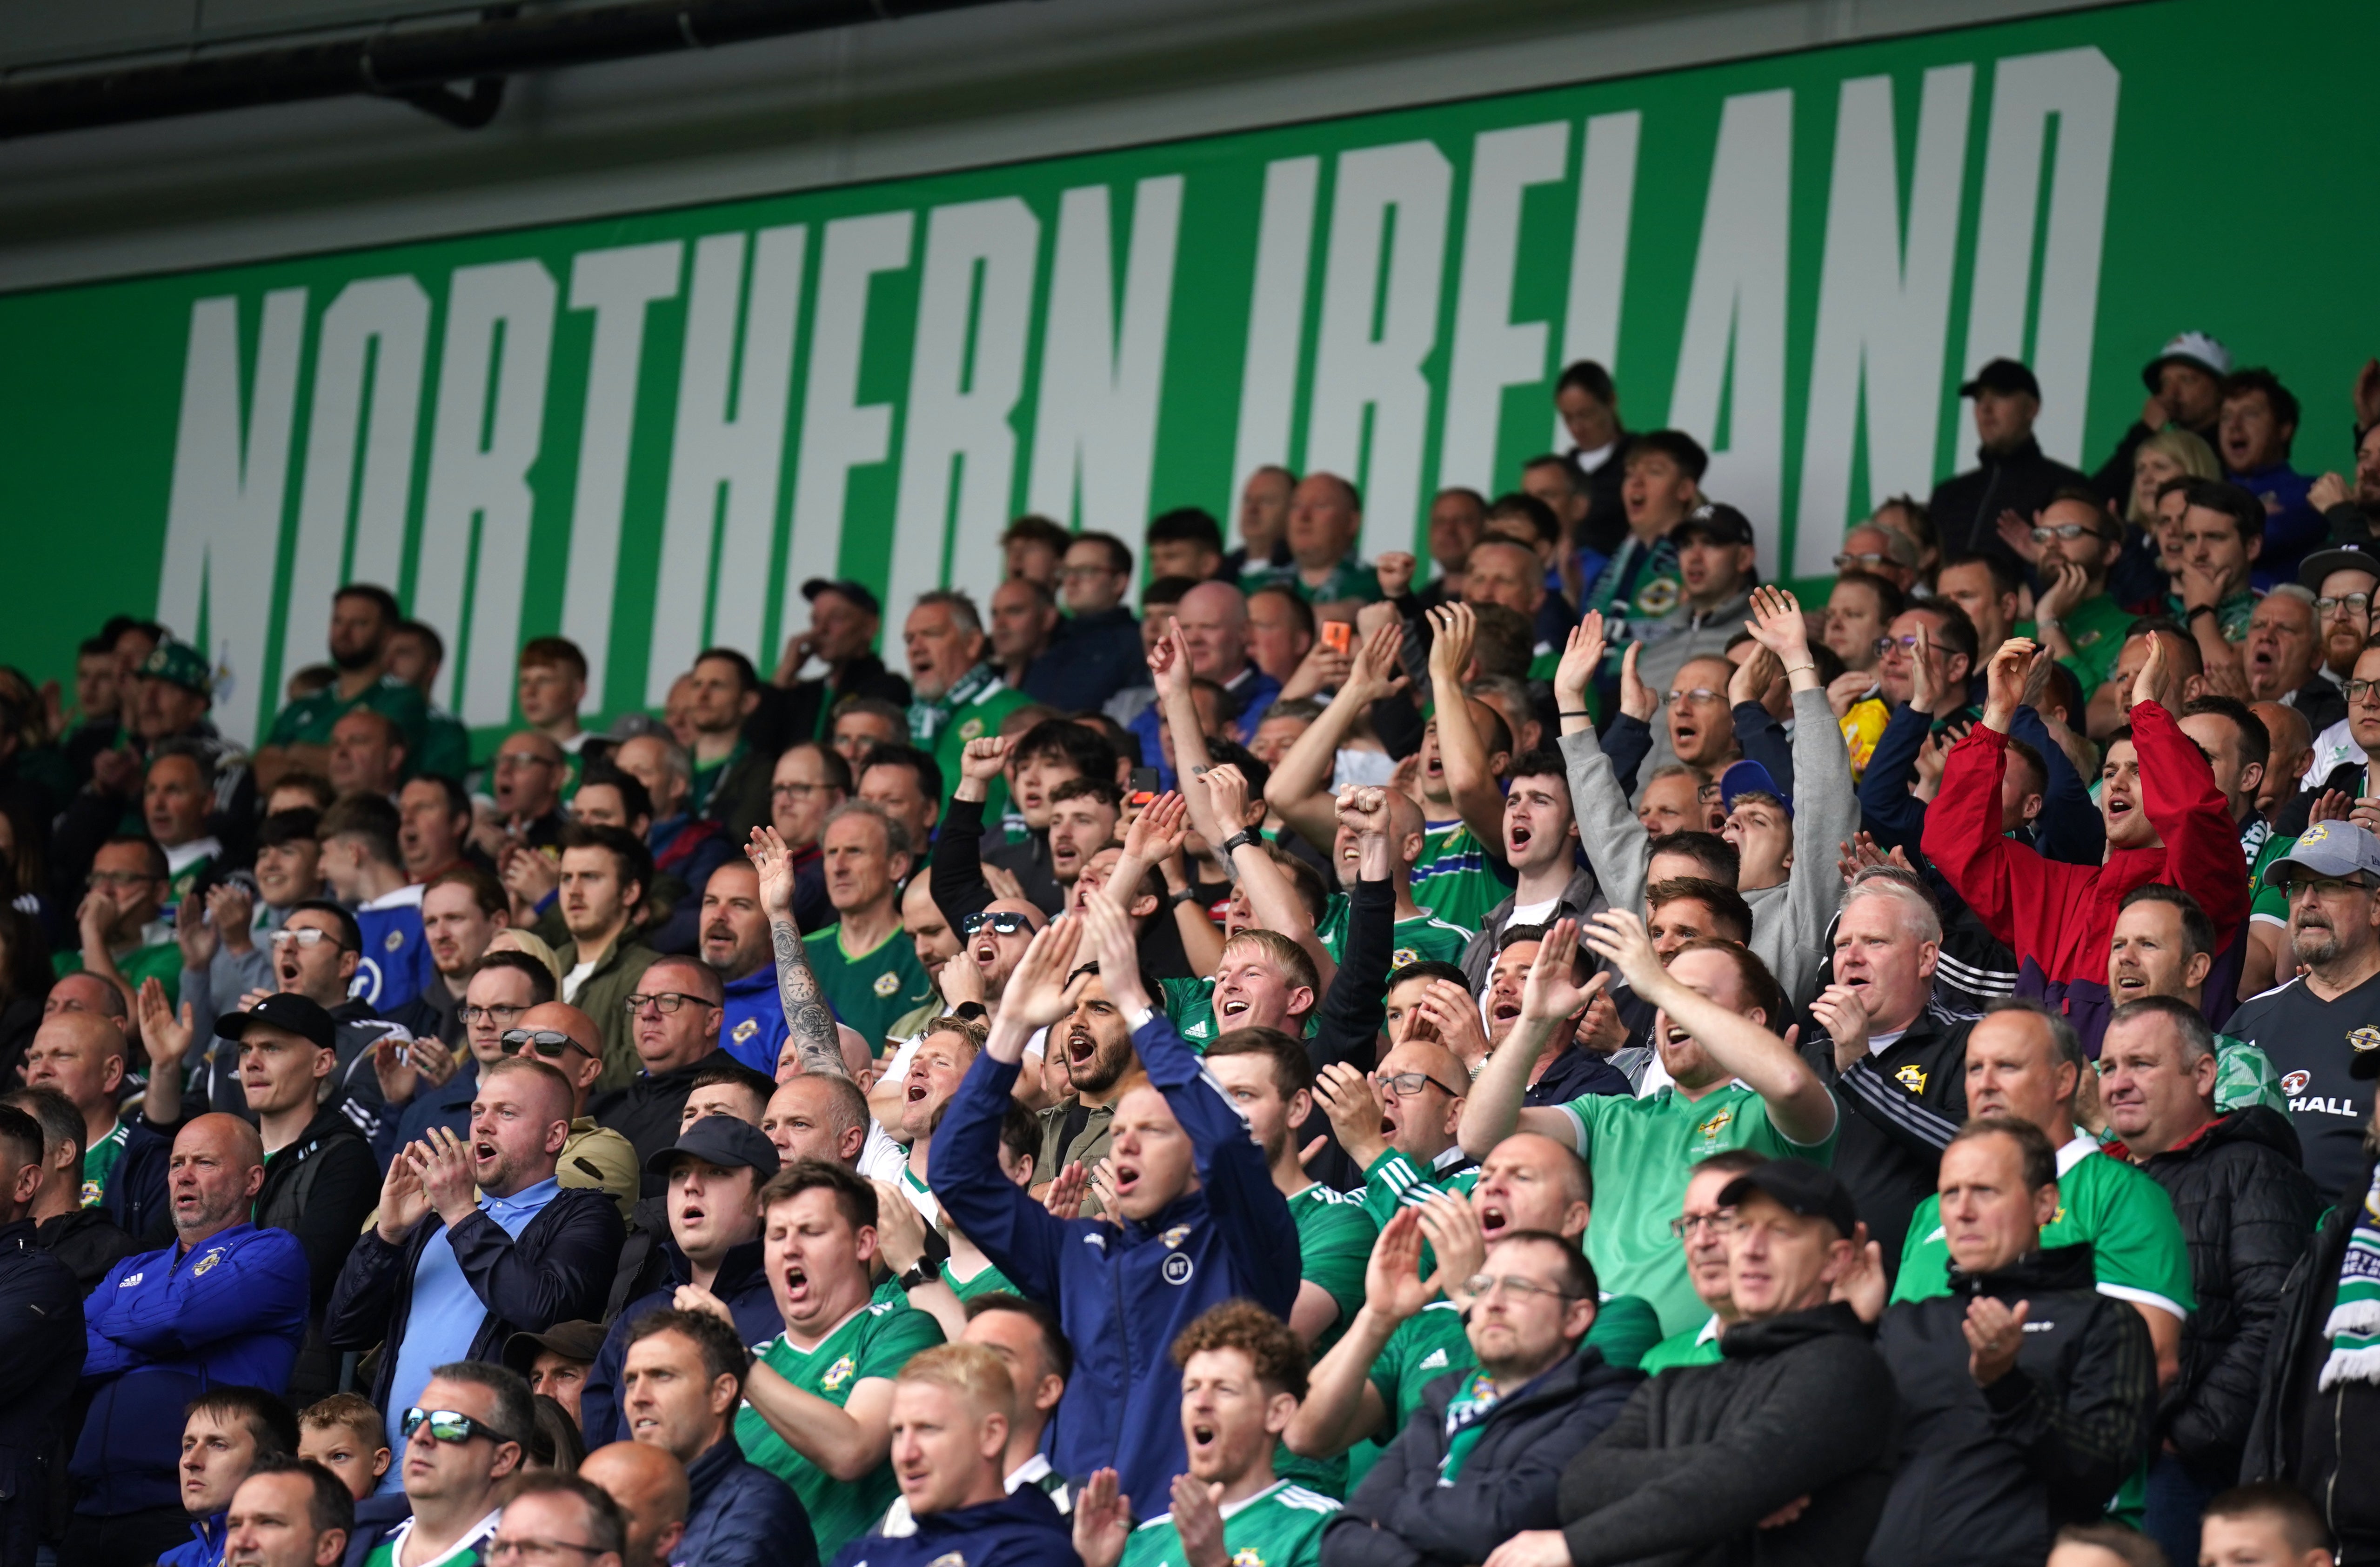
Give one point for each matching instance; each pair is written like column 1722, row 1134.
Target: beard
column 1105, row 1070
column 2314, row 944
column 355, row 658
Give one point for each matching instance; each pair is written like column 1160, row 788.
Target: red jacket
column 2058, row 917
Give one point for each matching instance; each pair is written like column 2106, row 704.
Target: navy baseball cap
column 284, row 1009
column 1749, row 778
column 1802, row 1187
column 722, row 1140
column 857, row 594
column 2003, row 376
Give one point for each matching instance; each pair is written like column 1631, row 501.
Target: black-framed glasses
column 549, row 1042
column 665, row 1001
column 1003, row 922
column 1404, row 1085
column 1686, row 1225
column 491, row 1013
column 2354, row 604
column 2356, row 690
column 449, row 1424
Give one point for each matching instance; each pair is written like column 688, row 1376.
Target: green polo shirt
column 308, row 720
column 870, row 991
column 2096, row 627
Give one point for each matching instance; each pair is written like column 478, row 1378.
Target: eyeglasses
column 308, row 938
column 2045, row 533
column 544, row 1041
column 1718, row 1224
column 491, row 1013
column 533, row 1550
column 449, row 1424
column 1698, row 695
column 2355, row 603
column 666, row 1002
column 1003, row 922
column 800, row 791
column 118, row 879
column 1866, row 561
column 1484, row 1284
column 1404, row 1085
column 2356, row 690
column 2326, row 886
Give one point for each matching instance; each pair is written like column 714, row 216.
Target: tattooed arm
column 807, row 1017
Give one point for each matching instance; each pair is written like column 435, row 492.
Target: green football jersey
column 100, row 1161
column 465, row 1552
column 873, row 1344
column 1280, row 1526
column 1457, row 879
column 309, row 720
column 2244, row 1075
column 1394, row 1180
column 1695, row 1346
column 1191, row 1004
column 870, row 991
column 1425, row 938
column 2136, row 1242
column 1334, row 1243
column 161, row 961
column 991, row 1280
column 1642, row 1151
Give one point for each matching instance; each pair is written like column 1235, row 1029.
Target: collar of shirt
column 406, row 896
column 182, row 856
column 1592, row 462
column 513, row 1213
column 2073, row 1153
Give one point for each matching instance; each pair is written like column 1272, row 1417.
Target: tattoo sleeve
column 807, row 1017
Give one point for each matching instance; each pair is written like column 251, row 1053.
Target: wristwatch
column 2194, row 614
column 921, row 1273
column 1187, row 895
column 1244, row 836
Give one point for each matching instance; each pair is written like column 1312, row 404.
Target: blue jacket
column 754, row 1029
column 742, row 1282
column 737, row 1514
column 163, row 1327
column 204, row 1548
column 1022, row 1530
column 1254, row 693
column 136, row 1192
column 40, row 1355
column 1123, row 1292
column 1091, row 659
column 2292, row 527
column 559, row 1271
column 377, row 1517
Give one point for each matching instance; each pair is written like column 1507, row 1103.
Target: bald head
column 212, row 1176
column 82, row 1055
column 858, row 1059
column 581, row 1066
column 81, row 992
column 815, row 1116
column 650, row 1487
column 1218, row 601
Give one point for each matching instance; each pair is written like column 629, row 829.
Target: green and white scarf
column 927, row 717
column 2355, row 1326
column 1465, row 1411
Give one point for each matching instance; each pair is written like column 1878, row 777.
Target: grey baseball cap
column 2328, row 848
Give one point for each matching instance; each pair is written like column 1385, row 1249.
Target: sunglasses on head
column 1003, row 922
column 549, row 1042
column 449, row 1424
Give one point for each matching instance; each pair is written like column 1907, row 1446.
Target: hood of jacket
column 1774, row 1335
column 1023, row 1511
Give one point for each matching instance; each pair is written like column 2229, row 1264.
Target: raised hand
column 1169, row 665
column 2005, row 679
column 1847, row 690
column 196, row 937
column 1324, row 668
column 403, row 1203
column 2326, row 491
column 774, row 865
column 1353, row 1102
column 1376, row 671
column 1364, row 808
column 166, row 1035
column 694, row 1297
column 232, row 912
column 2331, row 805
column 1038, row 993
column 1754, row 678
column 530, row 875
column 444, row 1162
column 1453, row 627
column 900, row 1228
column 1107, row 935
column 1637, row 699
column 984, row 759
column 1453, row 1232
column 1582, row 661
column 1062, row 1197
column 1197, row 1518
column 2149, row 685
column 1599, row 1031
column 1393, row 1287
column 1863, row 1286
column 1778, row 625
column 1003, row 883
column 1104, row 1521
column 1456, row 1014
column 1843, row 1012
column 1549, row 991
column 2017, row 534
column 1922, row 692
column 392, row 1065
column 1395, row 571
column 2063, row 595
column 1619, row 937
column 1159, row 828
column 1227, row 795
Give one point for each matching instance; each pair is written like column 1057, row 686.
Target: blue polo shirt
column 446, row 1312
column 754, row 1029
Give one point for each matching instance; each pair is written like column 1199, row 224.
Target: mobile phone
column 1338, row 636
column 1144, row 785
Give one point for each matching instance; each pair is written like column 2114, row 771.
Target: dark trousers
column 128, row 1539
column 2170, row 1509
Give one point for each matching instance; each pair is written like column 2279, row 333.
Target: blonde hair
column 971, row 1371
column 513, row 939
column 2184, row 446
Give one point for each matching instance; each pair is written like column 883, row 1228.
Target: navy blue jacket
column 40, row 1355
column 737, row 1514
column 1124, row 1291
column 741, row 1282
column 136, row 1192
column 377, row 1517
column 162, row 1328
column 1022, row 1530
column 1091, row 659
column 559, row 1271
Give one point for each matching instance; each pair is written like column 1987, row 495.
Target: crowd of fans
column 1555, row 1053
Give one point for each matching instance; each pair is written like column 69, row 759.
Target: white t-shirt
column 572, row 980
column 1533, row 914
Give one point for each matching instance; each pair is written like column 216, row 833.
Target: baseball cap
column 2328, row 848
column 2344, row 557
column 2004, row 376
column 1749, row 777
column 284, row 1009
column 2190, row 347
column 178, row 663
column 1716, row 521
column 1803, row 1187
column 722, row 1140
column 852, row 590
column 579, row 1340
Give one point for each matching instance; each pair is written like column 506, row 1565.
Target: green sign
column 647, row 432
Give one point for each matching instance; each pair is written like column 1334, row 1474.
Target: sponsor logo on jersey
column 131, row 1280
column 1434, row 1361
column 1176, row 1268
column 2295, row 1082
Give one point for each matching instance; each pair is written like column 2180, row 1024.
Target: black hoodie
column 1988, row 1473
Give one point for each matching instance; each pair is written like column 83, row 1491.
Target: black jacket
column 1403, row 1514
column 1091, row 659
column 809, row 704
column 1897, row 1110
column 1966, row 506
column 1988, row 1475
column 2323, row 1442
column 2247, row 1206
column 41, row 1359
column 741, row 1282
column 321, row 1188
column 559, row 1271
column 88, row 1242
column 1799, row 1406
column 1029, row 860
column 136, row 1192
column 647, row 1112
column 738, row 1515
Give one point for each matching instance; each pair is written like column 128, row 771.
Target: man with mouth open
column 2166, row 822
column 1095, row 1049
column 1198, row 1219
column 2164, row 945
column 476, row 1241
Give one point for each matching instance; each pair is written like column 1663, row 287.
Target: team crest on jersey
column 1911, row 1077
column 2295, row 1082
column 1658, row 597
column 1176, row 1268
column 947, row 1558
column 1173, row 1238
column 1247, row 1557
column 838, row 1374
column 207, row 1261
column 886, row 983
column 745, row 1029
column 1402, row 956
column 393, row 941
column 92, row 1194
column 2364, row 1038
column 1711, row 1129
column 2086, row 639
column 972, row 729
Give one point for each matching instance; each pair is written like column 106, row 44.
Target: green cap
column 180, row 664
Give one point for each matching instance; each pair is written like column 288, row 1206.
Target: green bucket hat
column 180, row 664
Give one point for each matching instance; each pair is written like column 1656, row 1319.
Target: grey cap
column 2328, row 848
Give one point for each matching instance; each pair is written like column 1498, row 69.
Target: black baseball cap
column 2003, row 376
column 1716, row 521
column 2344, row 557
column 580, row 1341
column 855, row 592
column 722, row 1140
column 284, row 1009
column 1806, row 1189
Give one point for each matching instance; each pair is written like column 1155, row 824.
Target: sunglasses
column 544, row 1041
column 449, row 1424
column 1004, row 922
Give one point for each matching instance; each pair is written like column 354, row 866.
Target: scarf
column 1465, row 1411
column 2355, row 1326
column 928, row 716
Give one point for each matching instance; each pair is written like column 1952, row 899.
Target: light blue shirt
column 446, row 1312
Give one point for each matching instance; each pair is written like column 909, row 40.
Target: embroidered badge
column 1176, row 1268
column 886, row 983
column 1911, row 1077
column 393, row 941
column 207, row 1261
column 745, row 1029
column 838, row 1374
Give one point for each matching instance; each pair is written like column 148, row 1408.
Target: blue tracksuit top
column 163, row 1327
column 753, row 1030
column 1124, row 1291
column 1022, row 1530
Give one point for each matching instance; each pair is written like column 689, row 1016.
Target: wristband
column 921, row 1273
column 1240, row 839
column 1137, row 1018
column 1573, row 712
column 1799, row 668
column 2194, row 614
